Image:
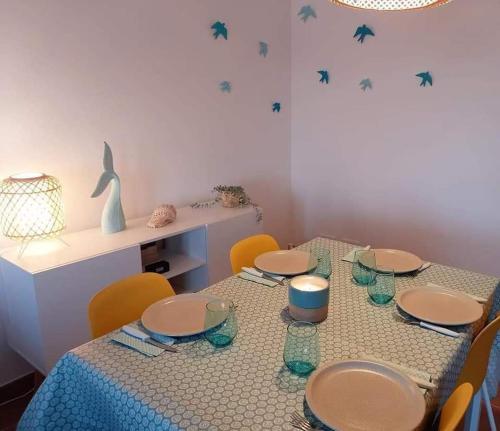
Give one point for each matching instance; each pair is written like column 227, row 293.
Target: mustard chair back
column 244, row 252
column 125, row 300
column 455, row 407
column 476, row 364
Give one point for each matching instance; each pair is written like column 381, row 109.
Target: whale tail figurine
column 112, row 219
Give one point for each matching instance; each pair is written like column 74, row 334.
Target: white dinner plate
column 439, row 306
column 361, row 395
column 398, row 260
column 286, row 262
column 179, row 315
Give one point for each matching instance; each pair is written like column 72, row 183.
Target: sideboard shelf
column 184, row 252
column 180, row 263
column 48, row 289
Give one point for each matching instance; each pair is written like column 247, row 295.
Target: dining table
column 246, row 386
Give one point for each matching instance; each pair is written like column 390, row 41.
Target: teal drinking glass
column 222, row 334
column 383, row 289
column 363, row 267
column 324, row 268
column 301, row 354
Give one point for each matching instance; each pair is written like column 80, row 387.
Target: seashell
column 162, row 215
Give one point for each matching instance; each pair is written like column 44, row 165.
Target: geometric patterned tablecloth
column 103, row 386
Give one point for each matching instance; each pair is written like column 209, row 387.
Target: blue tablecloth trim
column 76, row 396
column 493, row 377
column 102, row 386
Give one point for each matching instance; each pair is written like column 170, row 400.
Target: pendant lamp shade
column 390, row 5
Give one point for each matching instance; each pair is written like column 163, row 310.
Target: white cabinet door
column 56, row 301
column 220, row 238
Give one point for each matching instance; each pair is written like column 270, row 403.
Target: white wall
column 12, row 366
column 144, row 76
column 400, row 166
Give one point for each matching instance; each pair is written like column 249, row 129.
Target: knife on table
column 257, row 273
column 137, row 333
column 440, row 329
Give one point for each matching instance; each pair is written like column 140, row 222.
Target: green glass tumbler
column 220, row 317
column 324, row 267
column 363, row 267
column 301, row 354
column 383, row 289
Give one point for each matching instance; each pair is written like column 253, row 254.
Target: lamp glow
column 31, row 207
column 390, row 5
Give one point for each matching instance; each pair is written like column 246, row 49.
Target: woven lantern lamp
column 390, row 5
column 31, row 207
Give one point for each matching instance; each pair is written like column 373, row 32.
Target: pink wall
column 400, row 166
column 144, row 76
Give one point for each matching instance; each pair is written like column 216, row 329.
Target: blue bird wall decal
column 306, row 12
column 426, row 78
column 362, row 32
column 365, row 84
column 225, row 87
column 219, row 29
column 325, row 76
column 263, row 49
column 276, row 107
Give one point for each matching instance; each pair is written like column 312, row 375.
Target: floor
column 11, row 412
column 495, row 404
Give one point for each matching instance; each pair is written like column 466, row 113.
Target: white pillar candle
column 309, row 283
column 308, row 297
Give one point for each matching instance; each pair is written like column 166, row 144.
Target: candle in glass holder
column 308, row 297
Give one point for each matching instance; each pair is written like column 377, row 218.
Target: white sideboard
column 47, row 290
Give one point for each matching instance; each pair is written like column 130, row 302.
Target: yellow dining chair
column 125, row 300
column 244, row 252
column 455, row 407
column 474, row 372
